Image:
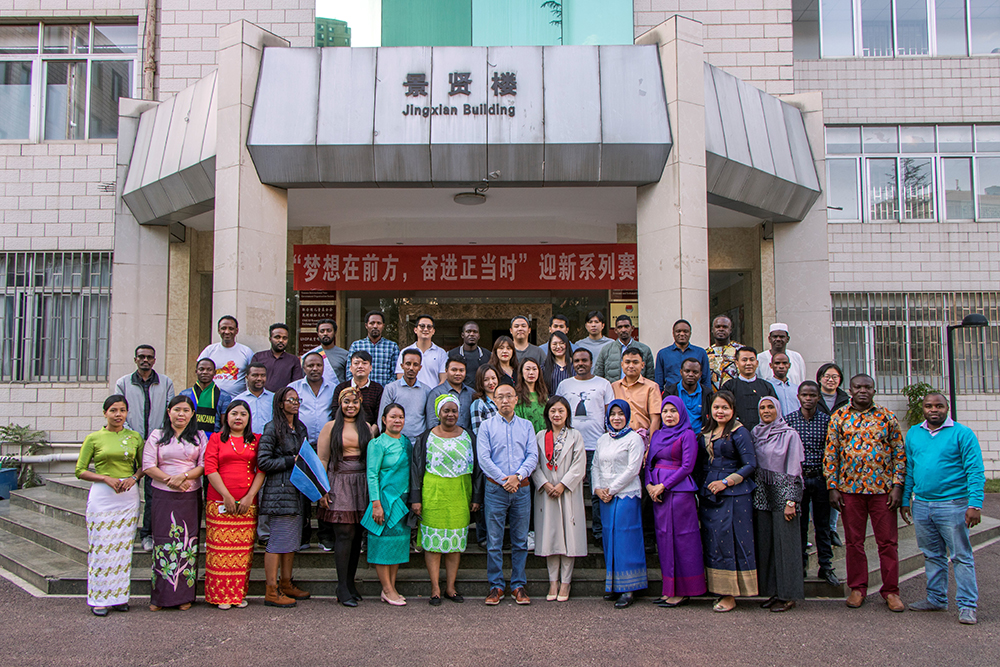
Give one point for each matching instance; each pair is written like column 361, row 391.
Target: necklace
column 232, row 443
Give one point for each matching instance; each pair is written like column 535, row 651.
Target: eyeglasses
column 293, row 401
column 830, row 376
column 425, row 326
column 505, row 398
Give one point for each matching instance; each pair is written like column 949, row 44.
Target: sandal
column 185, row 606
column 718, row 607
column 242, row 604
column 154, row 607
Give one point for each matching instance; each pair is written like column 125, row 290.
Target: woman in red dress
column 231, row 512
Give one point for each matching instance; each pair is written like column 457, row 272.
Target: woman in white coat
column 560, row 519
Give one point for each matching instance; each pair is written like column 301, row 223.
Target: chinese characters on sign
column 585, row 267
column 504, row 85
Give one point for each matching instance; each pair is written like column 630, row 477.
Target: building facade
column 115, row 234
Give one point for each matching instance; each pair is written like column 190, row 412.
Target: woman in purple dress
column 673, row 451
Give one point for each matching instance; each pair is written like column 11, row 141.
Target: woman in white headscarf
column 776, row 505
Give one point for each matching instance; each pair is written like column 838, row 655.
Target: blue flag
column 308, row 475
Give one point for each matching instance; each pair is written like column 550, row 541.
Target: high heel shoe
column 563, row 598
column 394, row 603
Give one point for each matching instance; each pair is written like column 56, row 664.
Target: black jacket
column 418, row 464
column 842, row 399
column 277, row 458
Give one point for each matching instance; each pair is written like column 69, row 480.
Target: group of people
column 727, row 451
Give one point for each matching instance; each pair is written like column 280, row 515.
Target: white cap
column 778, row 326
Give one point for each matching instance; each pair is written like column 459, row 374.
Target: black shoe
column 262, row 543
column 482, row 545
column 99, row 611
column 434, row 601
column 326, row 545
column 349, row 602
column 120, row 607
column 457, row 597
column 830, row 577
column 835, row 540
column 670, row 605
column 768, row 603
column 611, row 597
column 624, row 601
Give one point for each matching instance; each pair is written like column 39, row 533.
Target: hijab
column 440, row 401
column 618, row 403
column 778, row 445
column 668, row 434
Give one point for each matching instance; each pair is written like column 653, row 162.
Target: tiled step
column 51, row 503
column 45, row 570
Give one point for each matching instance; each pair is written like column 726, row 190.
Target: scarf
column 553, row 446
column 778, row 445
column 441, row 400
column 205, row 410
column 627, row 409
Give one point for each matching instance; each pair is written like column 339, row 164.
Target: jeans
column 595, row 502
column 815, row 494
column 857, row 508
column 502, row 506
column 941, row 530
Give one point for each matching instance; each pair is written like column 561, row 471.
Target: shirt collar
column 153, row 378
column 948, row 422
column 740, row 377
column 638, row 380
column 357, row 386
column 680, row 387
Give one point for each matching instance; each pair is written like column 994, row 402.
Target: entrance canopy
column 445, row 116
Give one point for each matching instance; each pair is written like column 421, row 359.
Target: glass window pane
column 597, row 22
column 951, row 27
column 15, row 99
column 428, row 23
column 911, row 28
column 955, row 138
column 988, row 187
column 116, row 38
column 837, row 18
column 883, row 197
column 65, row 38
column 18, row 39
column 841, row 140
column 987, row 138
column 880, row 139
column 958, row 188
column 109, row 80
column 918, row 188
column 984, row 16
column 363, row 19
column 65, row 96
column 516, row 23
column 916, row 138
column 876, row 28
column 805, row 29
column 842, row 192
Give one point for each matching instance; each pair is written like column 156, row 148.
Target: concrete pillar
column 251, row 219
column 139, row 274
column 801, row 258
column 672, row 215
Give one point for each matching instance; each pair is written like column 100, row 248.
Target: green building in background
column 331, row 32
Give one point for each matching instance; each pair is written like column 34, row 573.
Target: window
column 900, row 338
column 890, row 173
column 63, row 82
column 895, row 28
column 55, row 316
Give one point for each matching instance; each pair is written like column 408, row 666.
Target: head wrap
column 441, row 400
column 668, row 434
column 348, row 392
column 627, row 409
column 778, row 445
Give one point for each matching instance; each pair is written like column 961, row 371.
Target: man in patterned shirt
column 811, row 425
column 384, row 352
column 865, row 467
column 722, row 352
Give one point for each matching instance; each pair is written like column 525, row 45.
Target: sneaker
column 147, row 543
column 304, row 546
column 927, row 605
column 967, row 616
column 326, row 545
column 531, row 540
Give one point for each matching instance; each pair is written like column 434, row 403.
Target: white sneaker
column 531, row 540
column 147, row 544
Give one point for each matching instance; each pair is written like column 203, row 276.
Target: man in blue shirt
column 945, row 477
column 315, row 396
column 786, row 391
column 260, row 400
column 508, row 454
column 670, row 359
column 692, row 392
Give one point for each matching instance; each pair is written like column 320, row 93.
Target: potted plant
column 915, row 394
column 29, row 442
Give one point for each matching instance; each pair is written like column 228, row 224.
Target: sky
column 364, row 18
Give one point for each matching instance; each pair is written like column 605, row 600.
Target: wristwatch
column 519, row 478
column 789, row 503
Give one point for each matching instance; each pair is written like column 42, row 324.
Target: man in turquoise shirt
column 945, row 477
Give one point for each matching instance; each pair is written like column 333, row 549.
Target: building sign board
column 499, row 267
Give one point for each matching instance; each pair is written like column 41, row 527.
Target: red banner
column 498, row 267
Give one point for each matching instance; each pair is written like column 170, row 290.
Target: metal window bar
column 56, row 316
column 900, row 338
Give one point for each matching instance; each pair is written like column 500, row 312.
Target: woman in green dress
column 388, row 488
column 532, row 394
column 445, row 483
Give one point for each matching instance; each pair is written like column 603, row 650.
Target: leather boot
column 274, row 598
column 293, row 591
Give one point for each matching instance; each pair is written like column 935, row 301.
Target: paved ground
column 36, row 631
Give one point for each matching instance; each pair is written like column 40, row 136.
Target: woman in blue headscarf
column 615, row 480
column 673, row 451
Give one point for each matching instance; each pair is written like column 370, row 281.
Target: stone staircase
column 43, row 540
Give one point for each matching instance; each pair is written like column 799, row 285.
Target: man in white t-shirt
column 588, row 397
column 231, row 358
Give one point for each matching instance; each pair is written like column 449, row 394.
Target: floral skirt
column 229, row 542
column 175, row 546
